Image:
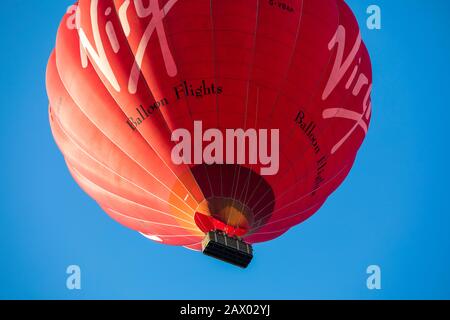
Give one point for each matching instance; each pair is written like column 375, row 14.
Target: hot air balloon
column 209, row 124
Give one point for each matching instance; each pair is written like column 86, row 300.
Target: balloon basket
column 219, row 245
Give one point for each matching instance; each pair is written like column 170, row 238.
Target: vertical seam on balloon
column 164, row 120
column 252, row 62
column 192, row 119
column 291, row 60
column 280, row 87
column 131, row 158
column 214, row 56
column 140, row 134
column 137, row 130
column 251, row 165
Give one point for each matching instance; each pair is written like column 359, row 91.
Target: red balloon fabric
column 130, row 81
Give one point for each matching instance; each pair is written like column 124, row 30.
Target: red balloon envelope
column 180, row 117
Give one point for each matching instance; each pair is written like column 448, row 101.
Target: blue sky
column 391, row 211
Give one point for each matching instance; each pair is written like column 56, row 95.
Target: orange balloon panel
column 148, row 101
